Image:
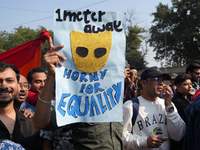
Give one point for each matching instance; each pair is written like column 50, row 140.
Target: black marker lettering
column 58, row 12
column 86, row 13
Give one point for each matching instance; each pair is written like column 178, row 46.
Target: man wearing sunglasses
column 157, row 120
column 194, row 71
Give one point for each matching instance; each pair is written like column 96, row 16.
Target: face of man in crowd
column 8, row 86
column 172, row 81
column 185, row 88
column 195, row 74
column 38, row 81
column 154, row 86
column 23, row 89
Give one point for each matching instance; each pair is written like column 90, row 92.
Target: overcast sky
column 32, row 14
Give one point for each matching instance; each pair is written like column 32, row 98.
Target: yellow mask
column 90, row 51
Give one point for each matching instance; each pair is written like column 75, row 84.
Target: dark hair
column 4, row 66
column 34, row 70
column 197, row 61
column 181, row 78
column 192, row 66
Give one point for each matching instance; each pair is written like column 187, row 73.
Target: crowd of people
column 165, row 115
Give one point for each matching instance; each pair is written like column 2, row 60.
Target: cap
column 154, row 72
column 174, row 75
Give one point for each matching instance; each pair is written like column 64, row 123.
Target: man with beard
column 194, row 71
column 157, row 119
column 13, row 124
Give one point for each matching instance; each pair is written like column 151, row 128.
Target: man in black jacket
column 184, row 88
column 13, row 125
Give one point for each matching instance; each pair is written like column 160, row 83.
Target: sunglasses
column 197, row 73
column 158, row 79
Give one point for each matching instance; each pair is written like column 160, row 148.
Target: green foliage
column 180, row 26
column 133, row 42
column 22, row 35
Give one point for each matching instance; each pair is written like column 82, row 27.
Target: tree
column 22, row 35
column 175, row 34
column 133, row 42
column 134, row 38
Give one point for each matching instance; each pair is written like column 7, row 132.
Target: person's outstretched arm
column 43, row 108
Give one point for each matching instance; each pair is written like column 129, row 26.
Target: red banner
column 26, row 56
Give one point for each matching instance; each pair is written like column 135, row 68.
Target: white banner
column 90, row 84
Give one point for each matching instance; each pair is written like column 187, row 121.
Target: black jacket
column 24, row 132
column 181, row 103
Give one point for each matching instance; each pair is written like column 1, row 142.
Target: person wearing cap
column 194, row 71
column 157, row 120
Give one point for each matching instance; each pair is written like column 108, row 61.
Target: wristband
column 43, row 100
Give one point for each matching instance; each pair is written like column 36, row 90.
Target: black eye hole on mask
column 99, row 52
column 82, row 51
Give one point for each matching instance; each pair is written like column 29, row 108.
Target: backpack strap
column 135, row 109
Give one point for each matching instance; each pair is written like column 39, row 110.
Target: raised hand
column 52, row 59
column 127, row 71
column 168, row 95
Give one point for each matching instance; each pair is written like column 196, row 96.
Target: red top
column 195, row 95
column 32, row 98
